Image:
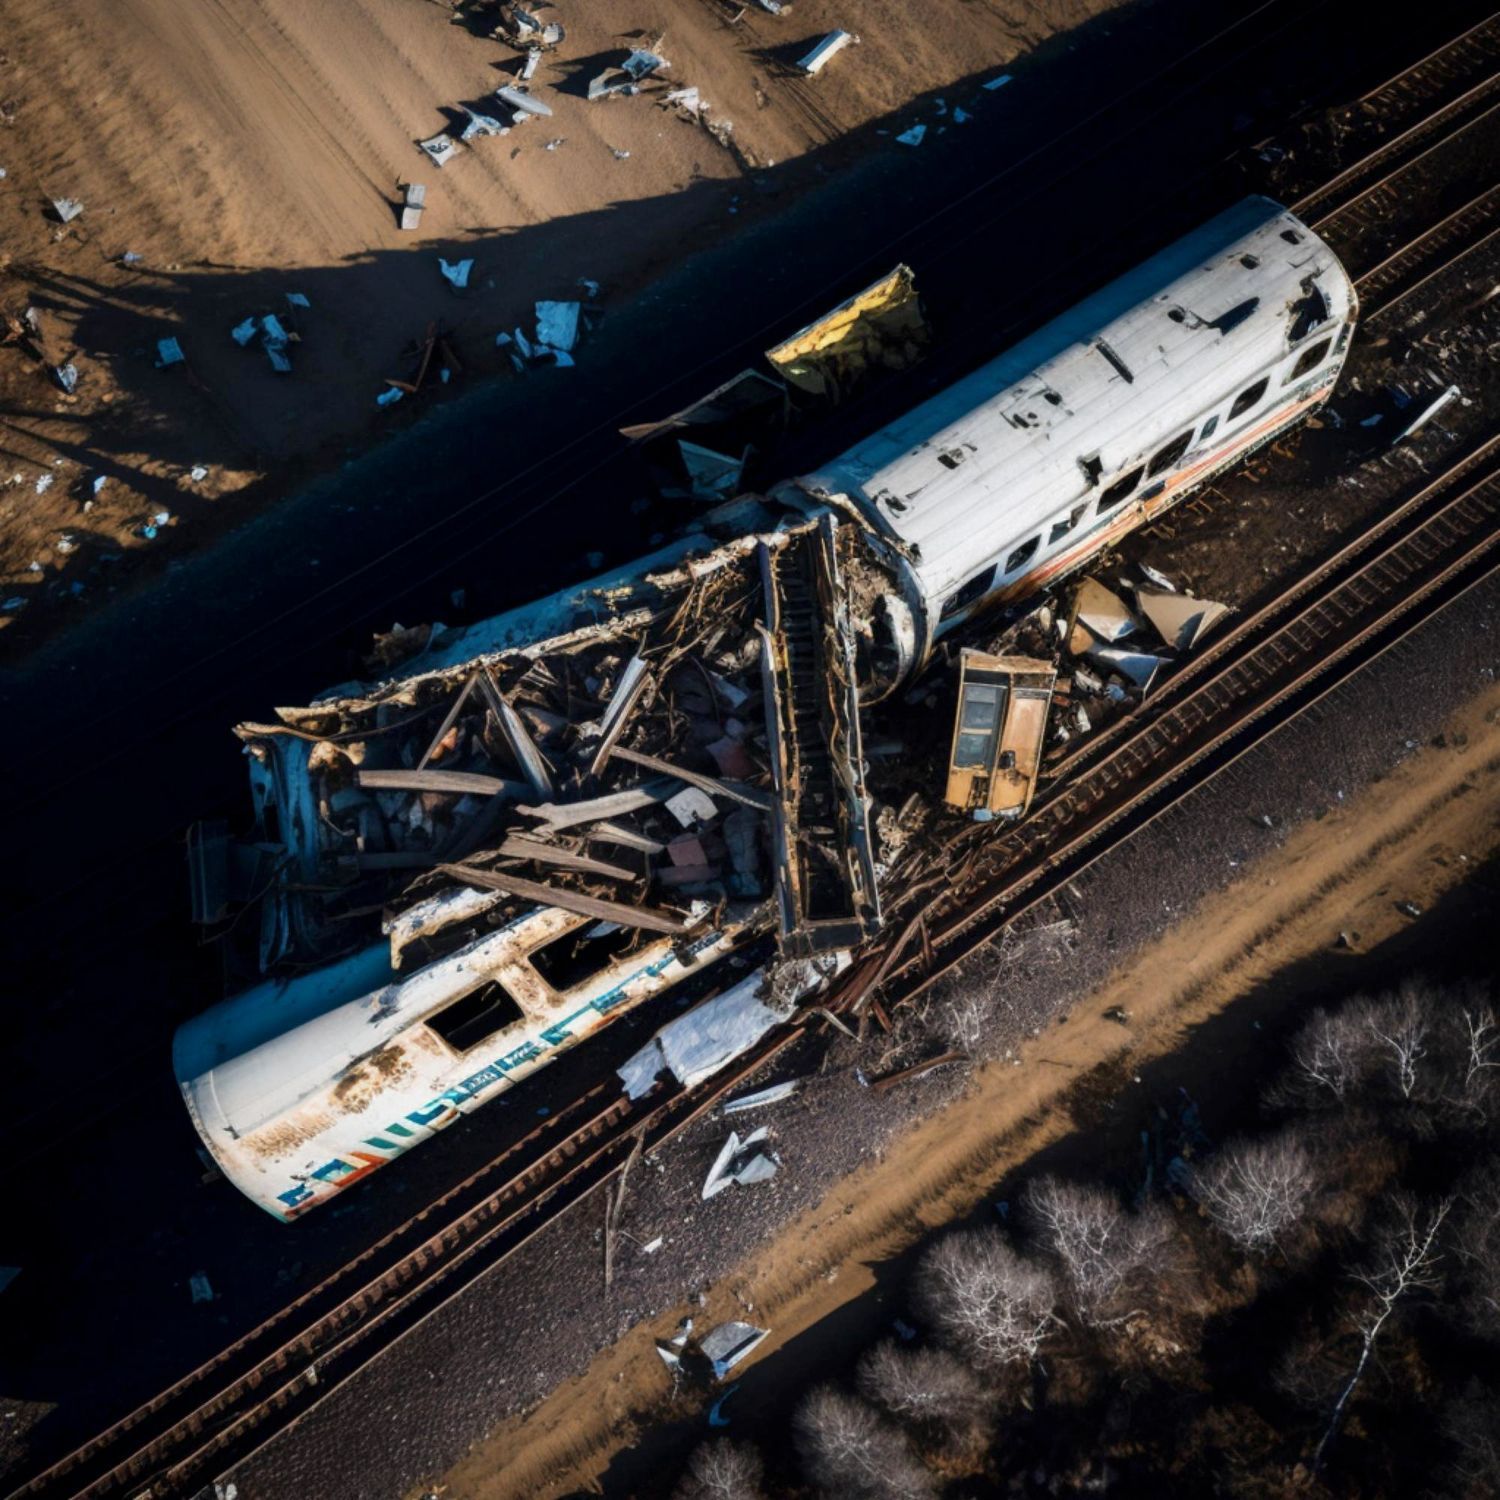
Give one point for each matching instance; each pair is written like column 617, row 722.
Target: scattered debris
column 1098, row 614
column 201, row 1290
column 456, row 272
column 642, row 64
column 67, row 377
column 762, row 1097
column 67, row 209
column 1179, row 619
column 725, row 1346
column 482, row 125
column 913, row 135
column 413, row 203
column 997, row 83
column 440, row 147
column 902, row 1075
column 742, row 1163
column 521, row 99
column 168, row 353
column 828, row 48
column 1427, row 413
column 557, row 325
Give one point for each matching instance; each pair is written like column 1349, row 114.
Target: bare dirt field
column 230, row 152
column 1413, row 836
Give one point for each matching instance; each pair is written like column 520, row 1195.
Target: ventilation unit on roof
column 1227, row 321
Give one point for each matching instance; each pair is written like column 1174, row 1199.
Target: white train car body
column 1101, row 419
column 302, row 1087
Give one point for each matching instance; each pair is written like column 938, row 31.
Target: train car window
column 1061, row 528
column 1120, row 491
column 1209, row 428
column 1247, row 398
column 1309, row 360
column 580, row 954
column 1023, row 554
column 1166, row 458
column 479, row 1014
column 976, row 588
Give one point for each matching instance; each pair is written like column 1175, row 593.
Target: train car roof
column 993, row 457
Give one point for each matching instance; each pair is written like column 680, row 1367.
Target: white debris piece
column 43, row 483
column 1139, row 667
column 413, row 204
column 714, row 476
column 557, row 324
column 67, row 377
column 761, row 1097
column 242, row 333
column 456, row 271
column 961, row 116
column 389, row 397
column 688, row 99
column 998, row 83
column 1098, row 614
column 481, row 125
column 740, row 1163
column 652, row 1246
column 829, row 47
column 1179, row 619
column 198, row 473
column 276, row 336
column 67, row 209
column 691, row 806
column 703, row 1040
column 912, row 137
column 297, row 299
column 529, row 67
column 439, row 147
column 1427, row 413
column 519, row 99
column 169, row 352
column 199, row 1285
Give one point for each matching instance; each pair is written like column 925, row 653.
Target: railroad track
column 227, row 1409
column 1257, row 678
column 1327, row 626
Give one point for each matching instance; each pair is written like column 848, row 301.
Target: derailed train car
column 980, row 496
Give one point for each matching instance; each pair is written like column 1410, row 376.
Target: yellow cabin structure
column 998, row 733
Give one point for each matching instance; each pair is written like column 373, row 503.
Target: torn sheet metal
column 747, row 393
column 830, row 46
column 762, row 1097
column 1179, row 619
column 712, row 476
column 698, row 1043
column 827, row 896
column 520, row 99
column 1427, row 413
column 439, row 147
column 725, row 1346
column 557, row 324
column 413, row 203
column 1102, row 614
column 67, row 209
column 634, row 680
column 646, row 918
column 882, row 327
column 481, row 125
column 741, row 1163
column 460, row 903
column 1138, row 667
column 528, row 757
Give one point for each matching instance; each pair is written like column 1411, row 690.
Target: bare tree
column 1476, row 1243
column 846, row 1449
column 1103, row 1251
column 987, row 1302
column 722, row 1470
column 1255, row 1191
column 1481, row 1059
column 1472, row 1424
column 1401, row 1026
column 1331, row 1056
column 1405, row 1260
column 928, row 1391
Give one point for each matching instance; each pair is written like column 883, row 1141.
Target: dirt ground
column 1414, row 835
column 230, row 152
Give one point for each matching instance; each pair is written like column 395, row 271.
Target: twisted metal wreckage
column 567, row 810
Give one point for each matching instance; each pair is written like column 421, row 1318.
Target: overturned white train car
column 1013, row 476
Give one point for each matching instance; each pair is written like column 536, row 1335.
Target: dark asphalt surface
column 120, row 731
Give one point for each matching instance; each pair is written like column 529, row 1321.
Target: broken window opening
column 580, row 955
column 1167, row 457
column 1248, row 397
column 1309, row 360
column 1309, row 311
column 1291, row 236
column 1022, row 555
column 1209, row 428
column 1061, row 528
column 952, row 457
column 480, row 1014
column 1120, row 491
column 1092, row 468
column 976, row 588
column 1120, row 367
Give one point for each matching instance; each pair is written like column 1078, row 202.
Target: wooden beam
column 589, row 906
column 449, row 720
column 518, row 846
column 612, row 805
column 459, row 783
column 736, row 791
